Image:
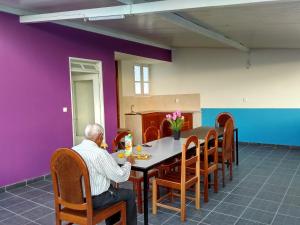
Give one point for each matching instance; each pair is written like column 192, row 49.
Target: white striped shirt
column 102, row 167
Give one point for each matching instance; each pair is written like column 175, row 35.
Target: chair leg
column 230, row 168
column 206, row 188
column 182, row 205
column 216, row 184
column 154, row 197
column 123, row 216
column 57, row 221
column 197, row 195
column 139, row 196
column 223, row 173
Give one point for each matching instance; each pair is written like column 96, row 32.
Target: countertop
column 167, row 111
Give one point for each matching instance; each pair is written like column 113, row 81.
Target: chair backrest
column 71, row 180
column 164, row 127
column 210, row 147
column 191, row 141
column 222, row 118
column 151, row 134
column 119, row 142
column 228, row 139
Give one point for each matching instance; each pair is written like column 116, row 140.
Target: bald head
column 93, row 132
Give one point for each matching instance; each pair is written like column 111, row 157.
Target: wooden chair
column 225, row 155
column 220, row 122
column 135, row 177
column 165, row 131
column 222, row 118
column 151, row 134
column 68, row 170
column 164, row 128
column 180, row 181
column 209, row 164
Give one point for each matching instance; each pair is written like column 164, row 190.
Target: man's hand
column 130, row 159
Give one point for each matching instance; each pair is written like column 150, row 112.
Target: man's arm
column 112, row 170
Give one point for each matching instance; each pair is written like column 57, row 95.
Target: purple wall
column 35, row 85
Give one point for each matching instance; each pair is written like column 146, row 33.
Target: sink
column 133, row 113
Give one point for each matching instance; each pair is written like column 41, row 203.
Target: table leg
column 145, row 197
column 237, row 146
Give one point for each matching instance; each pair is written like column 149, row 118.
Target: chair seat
column 172, row 179
column 98, row 215
column 139, row 175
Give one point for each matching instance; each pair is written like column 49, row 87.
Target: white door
column 86, row 103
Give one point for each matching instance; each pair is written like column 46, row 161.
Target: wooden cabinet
column 155, row 119
column 139, row 122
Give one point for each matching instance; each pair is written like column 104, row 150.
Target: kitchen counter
column 154, row 111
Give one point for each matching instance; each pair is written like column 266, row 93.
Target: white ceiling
column 268, row 25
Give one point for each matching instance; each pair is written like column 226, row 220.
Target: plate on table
column 142, row 156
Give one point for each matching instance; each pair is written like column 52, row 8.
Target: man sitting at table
column 102, row 170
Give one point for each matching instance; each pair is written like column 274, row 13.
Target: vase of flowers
column 176, row 121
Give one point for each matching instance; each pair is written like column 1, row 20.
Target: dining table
column 162, row 150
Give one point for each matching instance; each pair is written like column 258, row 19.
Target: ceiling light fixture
column 114, row 17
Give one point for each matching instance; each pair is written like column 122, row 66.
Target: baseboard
column 290, row 147
column 24, row 183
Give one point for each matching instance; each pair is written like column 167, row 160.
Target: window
column 141, row 80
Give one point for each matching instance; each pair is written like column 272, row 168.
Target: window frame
column 142, row 81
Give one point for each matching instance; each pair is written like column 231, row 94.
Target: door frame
column 101, row 94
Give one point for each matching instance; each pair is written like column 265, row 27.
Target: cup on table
column 121, row 158
column 138, row 149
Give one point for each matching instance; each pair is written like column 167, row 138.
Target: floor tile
column 271, row 196
column 47, row 188
column 248, row 222
column 32, row 194
column 39, row 184
column 11, row 201
column 264, row 205
column 274, row 188
column 285, row 220
column 210, row 204
column 5, row 214
column 230, row 209
column 245, row 191
column 18, row 191
column 292, row 200
column 215, row 218
column 22, row 207
column 37, row 213
column 238, row 199
column 176, row 221
column 196, row 214
column 47, row 220
column 290, row 210
column 258, row 215
column 15, row 220
column 5, row 195
column 43, row 198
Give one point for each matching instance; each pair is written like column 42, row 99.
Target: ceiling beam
column 196, row 28
column 87, row 27
column 191, row 26
column 140, row 8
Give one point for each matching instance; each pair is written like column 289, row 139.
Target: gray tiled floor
column 265, row 190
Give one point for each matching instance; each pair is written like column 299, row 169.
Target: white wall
column 222, row 78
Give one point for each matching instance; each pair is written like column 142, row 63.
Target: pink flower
column 168, row 116
column 174, row 115
column 178, row 113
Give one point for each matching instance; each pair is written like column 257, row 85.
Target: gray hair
column 92, row 131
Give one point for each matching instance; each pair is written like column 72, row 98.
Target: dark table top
column 201, row 132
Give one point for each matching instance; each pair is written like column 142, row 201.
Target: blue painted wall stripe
column 260, row 125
